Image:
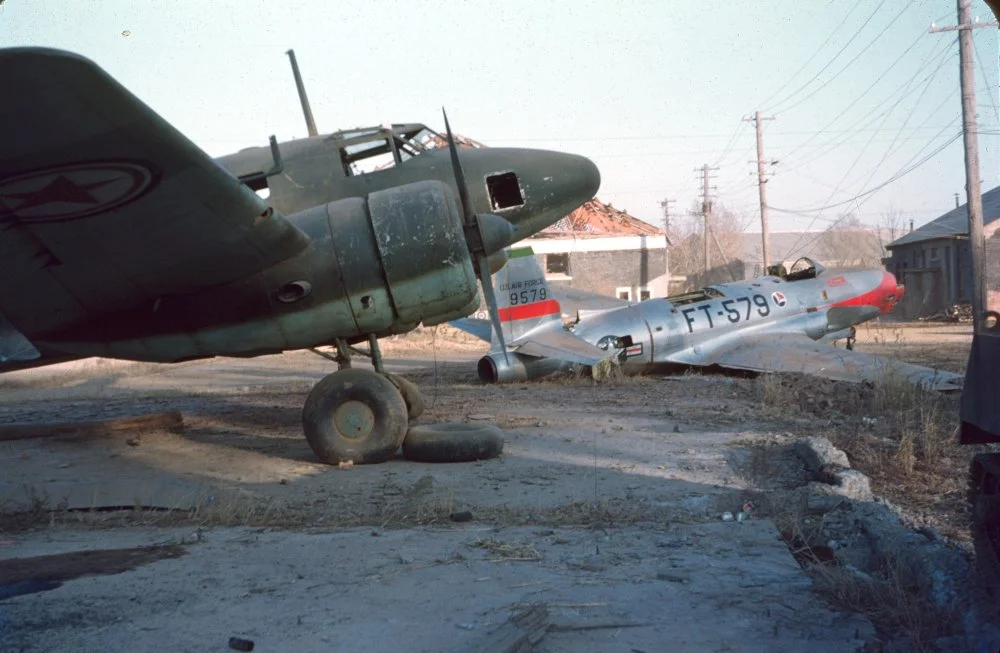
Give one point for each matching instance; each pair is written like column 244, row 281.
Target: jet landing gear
column 359, row 415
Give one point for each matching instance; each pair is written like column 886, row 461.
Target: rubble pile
column 957, row 313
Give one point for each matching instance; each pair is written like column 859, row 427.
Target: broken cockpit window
column 703, row 295
column 377, row 148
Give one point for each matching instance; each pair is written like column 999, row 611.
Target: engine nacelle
column 494, row 368
column 390, row 248
column 375, row 265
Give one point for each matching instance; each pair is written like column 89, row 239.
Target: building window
column 557, row 264
column 934, row 253
column 644, row 294
column 624, row 294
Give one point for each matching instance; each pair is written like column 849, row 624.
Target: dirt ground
column 605, row 505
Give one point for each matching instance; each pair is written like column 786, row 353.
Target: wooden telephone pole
column 706, row 214
column 757, row 119
column 665, row 205
column 974, row 195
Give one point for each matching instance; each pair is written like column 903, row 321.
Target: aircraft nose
column 530, row 188
column 892, row 292
column 554, row 184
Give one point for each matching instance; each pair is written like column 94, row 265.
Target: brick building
column 601, row 249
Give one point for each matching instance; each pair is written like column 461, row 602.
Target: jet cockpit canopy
column 804, row 268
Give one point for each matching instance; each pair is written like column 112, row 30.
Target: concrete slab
column 691, row 587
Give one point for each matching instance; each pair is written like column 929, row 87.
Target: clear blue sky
column 649, row 90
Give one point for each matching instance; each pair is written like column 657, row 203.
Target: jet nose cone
column 892, row 292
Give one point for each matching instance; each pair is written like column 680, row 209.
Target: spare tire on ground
column 411, row 395
column 452, row 443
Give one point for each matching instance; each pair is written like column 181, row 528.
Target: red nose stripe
column 876, row 297
column 528, row 311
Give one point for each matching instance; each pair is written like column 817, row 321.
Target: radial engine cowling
column 494, row 368
column 391, row 246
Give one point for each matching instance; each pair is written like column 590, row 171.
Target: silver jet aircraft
column 769, row 324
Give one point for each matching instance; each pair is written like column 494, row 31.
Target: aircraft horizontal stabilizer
column 474, row 326
column 561, row 344
column 13, row 345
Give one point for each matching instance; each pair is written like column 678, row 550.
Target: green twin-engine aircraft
column 121, row 238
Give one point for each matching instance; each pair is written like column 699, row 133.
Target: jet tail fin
column 523, row 297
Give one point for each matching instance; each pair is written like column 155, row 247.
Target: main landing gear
column 359, row 415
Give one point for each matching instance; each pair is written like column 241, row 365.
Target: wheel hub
column 354, row 419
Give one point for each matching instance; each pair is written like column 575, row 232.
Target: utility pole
column 973, row 192
column 665, row 205
column 757, row 119
column 706, row 213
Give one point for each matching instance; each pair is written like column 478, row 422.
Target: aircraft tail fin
column 524, row 299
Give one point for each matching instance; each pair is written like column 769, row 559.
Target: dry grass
column 890, row 597
column 508, row 551
column 410, row 510
column 891, row 601
column 900, row 435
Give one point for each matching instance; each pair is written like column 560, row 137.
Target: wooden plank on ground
column 519, row 634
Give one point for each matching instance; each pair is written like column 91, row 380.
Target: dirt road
column 605, row 506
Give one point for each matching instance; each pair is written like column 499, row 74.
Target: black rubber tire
column 452, row 443
column 354, row 399
column 411, row 395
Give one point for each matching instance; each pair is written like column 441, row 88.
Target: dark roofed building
column 934, row 262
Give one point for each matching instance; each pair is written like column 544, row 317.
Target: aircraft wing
column 791, row 353
column 561, row 344
column 104, row 206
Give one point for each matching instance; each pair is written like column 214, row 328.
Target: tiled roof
column 596, row 217
column 954, row 223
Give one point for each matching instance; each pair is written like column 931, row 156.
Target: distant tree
column 891, row 225
column 725, row 243
column 849, row 243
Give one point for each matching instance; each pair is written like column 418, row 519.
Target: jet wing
column 561, row 344
column 104, row 206
column 791, row 353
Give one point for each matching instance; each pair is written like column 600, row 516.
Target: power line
column 851, row 62
column 729, row 145
column 808, row 61
column 868, row 193
column 903, row 90
column 896, row 177
column 872, row 192
column 982, row 70
column 829, row 63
